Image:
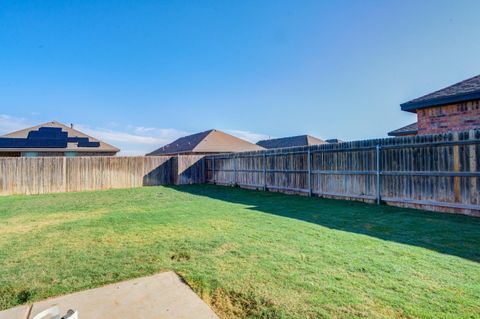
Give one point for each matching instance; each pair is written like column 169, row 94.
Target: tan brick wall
column 453, row 117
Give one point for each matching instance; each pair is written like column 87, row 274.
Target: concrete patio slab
column 20, row 312
column 162, row 296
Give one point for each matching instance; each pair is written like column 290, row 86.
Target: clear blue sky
column 140, row 73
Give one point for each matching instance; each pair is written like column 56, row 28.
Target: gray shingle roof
column 292, row 141
column 182, row 145
column 406, row 130
column 462, row 91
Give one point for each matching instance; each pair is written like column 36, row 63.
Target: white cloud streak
column 247, row 135
column 10, row 124
column 133, row 140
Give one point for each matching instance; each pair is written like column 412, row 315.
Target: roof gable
column 459, row 92
column 218, row 141
column 314, row 141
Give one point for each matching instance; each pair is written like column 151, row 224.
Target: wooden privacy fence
column 61, row 174
column 42, row 175
column 438, row 172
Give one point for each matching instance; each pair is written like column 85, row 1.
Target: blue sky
column 141, row 73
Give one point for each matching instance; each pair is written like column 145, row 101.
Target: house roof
column 460, row 92
column 291, row 141
column 52, row 137
column 334, row 141
column 406, row 130
column 211, row 141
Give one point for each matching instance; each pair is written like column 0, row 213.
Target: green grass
column 246, row 253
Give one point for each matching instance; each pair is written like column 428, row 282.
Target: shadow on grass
column 451, row 234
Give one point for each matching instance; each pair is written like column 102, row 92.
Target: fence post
column 309, row 163
column 264, row 172
column 213, row 169
column 378, row 172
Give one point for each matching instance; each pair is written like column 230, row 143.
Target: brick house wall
column 453, row 117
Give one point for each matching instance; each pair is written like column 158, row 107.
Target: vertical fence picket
column 234, row 170
column 378, row 173
column 213, row 169
column 264, row 172
column 309, row 173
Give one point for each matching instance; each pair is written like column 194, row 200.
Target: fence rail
column 437, row 172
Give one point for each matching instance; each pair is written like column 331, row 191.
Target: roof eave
column 393, row 133
column 414, row 106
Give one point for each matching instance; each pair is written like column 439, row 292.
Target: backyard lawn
column 248, row 254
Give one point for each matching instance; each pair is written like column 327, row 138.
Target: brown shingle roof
column 459, row 92
column 211, row 141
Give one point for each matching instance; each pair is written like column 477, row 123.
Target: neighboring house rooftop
column 334, row 141
column 211, row 141
column 292, row 141
column 52, row 137
column 460, row 92
column 410, row 129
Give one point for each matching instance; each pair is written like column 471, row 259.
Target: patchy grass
column 248, row 254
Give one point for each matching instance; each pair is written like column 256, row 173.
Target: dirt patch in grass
column 19, row 225
column 231, row 304
column 180, row 256
column 16, row 294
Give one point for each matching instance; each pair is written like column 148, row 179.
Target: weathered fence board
column 438, row 172
column 188, row 169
